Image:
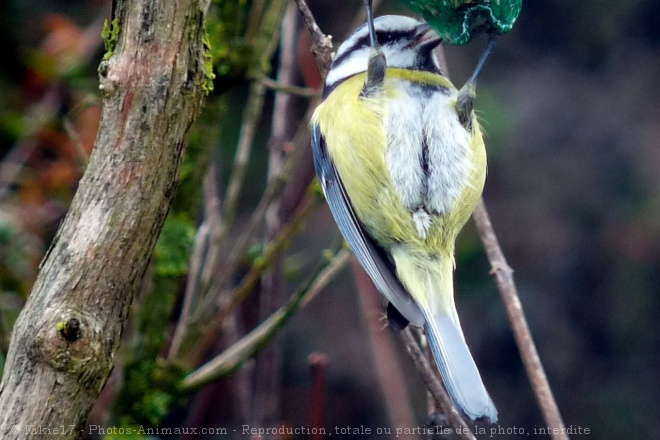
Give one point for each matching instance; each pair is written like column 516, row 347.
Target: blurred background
column 570, row 105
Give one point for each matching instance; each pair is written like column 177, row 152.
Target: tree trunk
column 64, row 341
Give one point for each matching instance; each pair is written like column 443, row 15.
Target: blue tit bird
column 402, row 163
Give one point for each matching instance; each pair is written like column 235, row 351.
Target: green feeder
column 458, row 21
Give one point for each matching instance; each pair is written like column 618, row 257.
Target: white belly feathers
column 428, row 152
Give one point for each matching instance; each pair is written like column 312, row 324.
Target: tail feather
column 430, row 282
column 457, row 368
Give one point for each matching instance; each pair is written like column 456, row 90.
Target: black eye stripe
column 384, row 38
column 387, row 37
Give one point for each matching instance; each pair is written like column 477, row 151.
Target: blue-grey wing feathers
column 361, row 244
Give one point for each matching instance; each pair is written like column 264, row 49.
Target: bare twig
column 250, row 281
column 73, row 134
column 235, row 355
column 204, row 254
column 240, row 247
column 213, row 217
column 209, row 294
column 434, row 386
column 321, row 43
column 431, row 403
column 252, row 114
column 318, row 363
column 46, row 110
column 15, row 159
column 251, row 118
column 277, row 86
column 388, row 370
column 509, row 293
column 268, row 363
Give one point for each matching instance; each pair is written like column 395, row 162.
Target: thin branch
column 305, row 92
column 434, row 386
column 44, row 112
column 40, row 114
column 249, row 282
column 204, row 254
column 509, row 293
column 321, row 43
column 250, row 344
column 210, row 293
column 386, row 362
column 252, row 114
column 431, row 402
column 74, row 136
column 251, row 118
column 273, row 191
column 196, row 262
column 318, row 363
column 268, row 365
column 213, row 216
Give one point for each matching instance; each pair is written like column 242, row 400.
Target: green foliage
column 173, row 248
column 229, row 51
column 150, row 388
column 151, row 391
column 110, row 36
column 13, row 125
column 317, row 191
column 255, row 251
column 6, row 233
column 458, row 21
column 17, row 251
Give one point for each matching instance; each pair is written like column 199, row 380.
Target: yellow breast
column 357, row 138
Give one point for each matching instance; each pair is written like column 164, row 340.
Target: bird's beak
column 423, row 44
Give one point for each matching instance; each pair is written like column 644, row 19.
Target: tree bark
column 64, row 341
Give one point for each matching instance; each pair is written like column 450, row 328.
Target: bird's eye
column 385, row 38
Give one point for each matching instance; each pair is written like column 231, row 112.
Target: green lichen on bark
column 207, row 86
column 110, row 36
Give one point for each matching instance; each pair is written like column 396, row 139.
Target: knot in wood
column 70, row 342
column 71, row 330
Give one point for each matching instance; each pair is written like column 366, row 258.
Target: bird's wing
column 368, row 253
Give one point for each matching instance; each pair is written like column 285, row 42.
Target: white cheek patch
column 355, row 63
column 400, row 57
